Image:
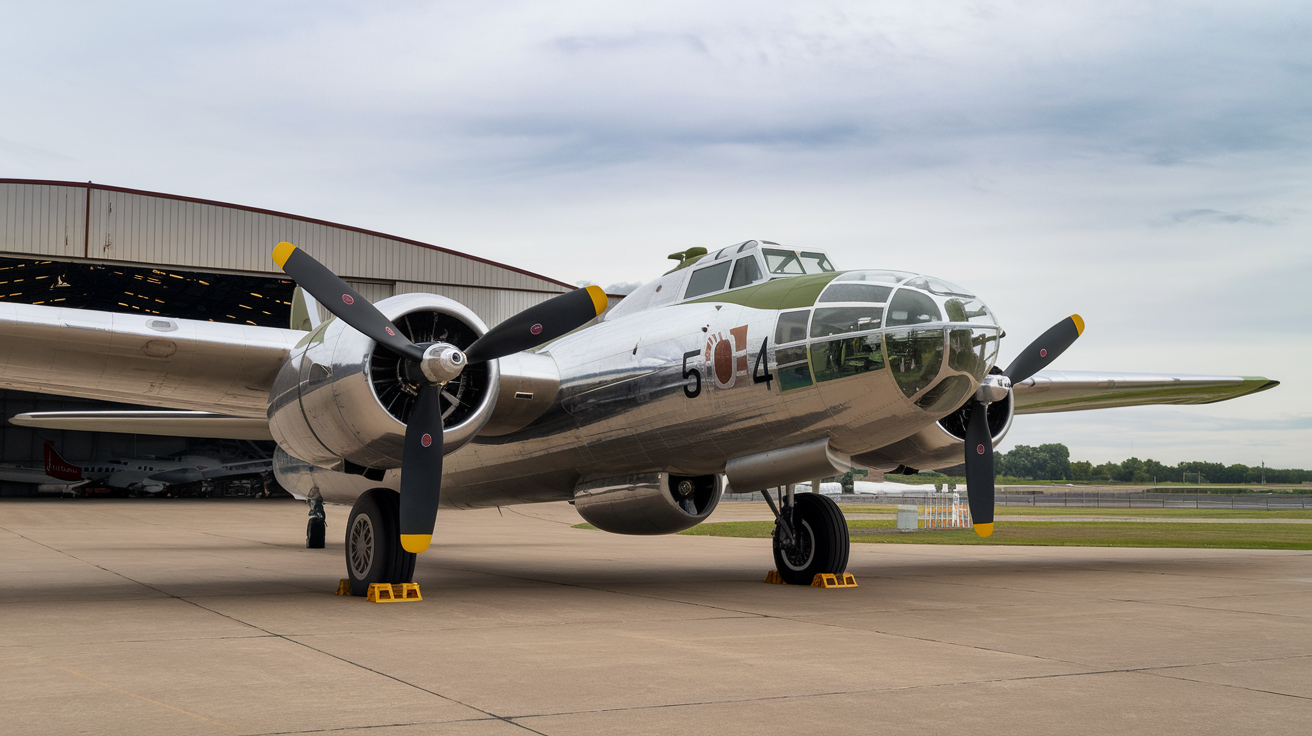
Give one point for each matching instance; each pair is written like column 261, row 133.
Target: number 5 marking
column 694, row 390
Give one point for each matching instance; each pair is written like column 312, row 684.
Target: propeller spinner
column 433, row 366
column 979, row 441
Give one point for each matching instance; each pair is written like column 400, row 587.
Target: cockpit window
column 816, row 262
column 782, row 262
column 881, row 277
column 856, row 293
column 708, row 279
column 745, row 271
column 721, row 253
column 911, row 308
column 840, row 320
column 746, row 245
column 791, row 327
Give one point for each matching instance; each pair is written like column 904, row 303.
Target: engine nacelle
column 647, row 503
column 941, row 444
column 341, row 396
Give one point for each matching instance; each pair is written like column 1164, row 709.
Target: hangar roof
column 83, row 221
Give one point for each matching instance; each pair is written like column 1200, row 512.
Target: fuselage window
column 915, row 357
column 912, row 308
column 850, row 292
column 706, row 280
column 839, row 320
column 847, row 357
column 745, row 271
column 791, row 327
column 816, row 262
column 792, row 368
column 782, row 262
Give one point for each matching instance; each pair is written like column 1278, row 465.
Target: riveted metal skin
column 323, row 409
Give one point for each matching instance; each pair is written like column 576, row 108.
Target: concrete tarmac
column 167, row 617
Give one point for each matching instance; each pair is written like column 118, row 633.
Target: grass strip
column 1087, row 511
column 1058, row 534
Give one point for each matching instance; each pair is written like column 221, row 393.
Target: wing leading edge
column 1054, row 391
column 141, row 359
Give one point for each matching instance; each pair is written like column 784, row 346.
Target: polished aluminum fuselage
column 643, row 393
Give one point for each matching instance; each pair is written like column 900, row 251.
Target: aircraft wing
column 142, row 359
column 165, row 423
column 1053, row 391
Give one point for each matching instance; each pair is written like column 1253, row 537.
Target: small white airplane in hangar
column 758, row 364
column 150, row 476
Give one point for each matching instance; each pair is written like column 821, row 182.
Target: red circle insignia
column 1043, row 352
column 389, row 331
column 347, row 299
column 979, row 449
column 536, row 329
column 426, row 440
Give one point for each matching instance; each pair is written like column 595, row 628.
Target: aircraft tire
column 824, row 541
column 373, row 544
column 315, row 531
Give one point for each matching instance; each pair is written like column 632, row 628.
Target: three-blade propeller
column 979, row 440
column 431, row 366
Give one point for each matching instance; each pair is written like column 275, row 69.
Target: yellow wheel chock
column 821, row 580
column 385, row 593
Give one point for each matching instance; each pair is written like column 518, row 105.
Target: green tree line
column 1053, row 462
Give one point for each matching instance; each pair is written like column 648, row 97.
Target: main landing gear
column 373, row 542
column 810, row 537
column 316, row 529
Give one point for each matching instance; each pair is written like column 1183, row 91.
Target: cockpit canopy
column 744, row 264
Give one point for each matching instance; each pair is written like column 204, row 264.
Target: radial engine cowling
column 941, row 444
column 647, row 503
column 340, row 396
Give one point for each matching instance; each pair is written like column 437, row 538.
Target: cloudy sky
column 1145, row 164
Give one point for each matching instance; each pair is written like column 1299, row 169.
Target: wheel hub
column 799, row 555
column 361, row 540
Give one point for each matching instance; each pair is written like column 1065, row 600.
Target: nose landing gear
column 810, row 537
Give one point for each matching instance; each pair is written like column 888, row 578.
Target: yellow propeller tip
column 1079, row 323
column 282, row 252
column 599, row 299
column 984, row 530
column 416, row 543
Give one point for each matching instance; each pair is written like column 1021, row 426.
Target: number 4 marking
column 761, row 371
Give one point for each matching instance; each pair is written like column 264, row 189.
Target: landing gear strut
column 373, row 542
column 810, row 537
column 317, row 527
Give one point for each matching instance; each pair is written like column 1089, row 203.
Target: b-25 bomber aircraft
column 760, row 365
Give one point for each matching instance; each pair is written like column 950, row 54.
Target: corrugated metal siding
column 46, row 220
column 49, row 219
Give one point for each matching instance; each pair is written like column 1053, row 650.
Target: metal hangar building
column 92, row 246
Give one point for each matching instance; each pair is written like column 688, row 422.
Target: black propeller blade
column 421, row 461
column 979, row 440
column 979, row 468
column 1038, row 354
column 342, row 300
column 421, row 470
column 538, row 324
